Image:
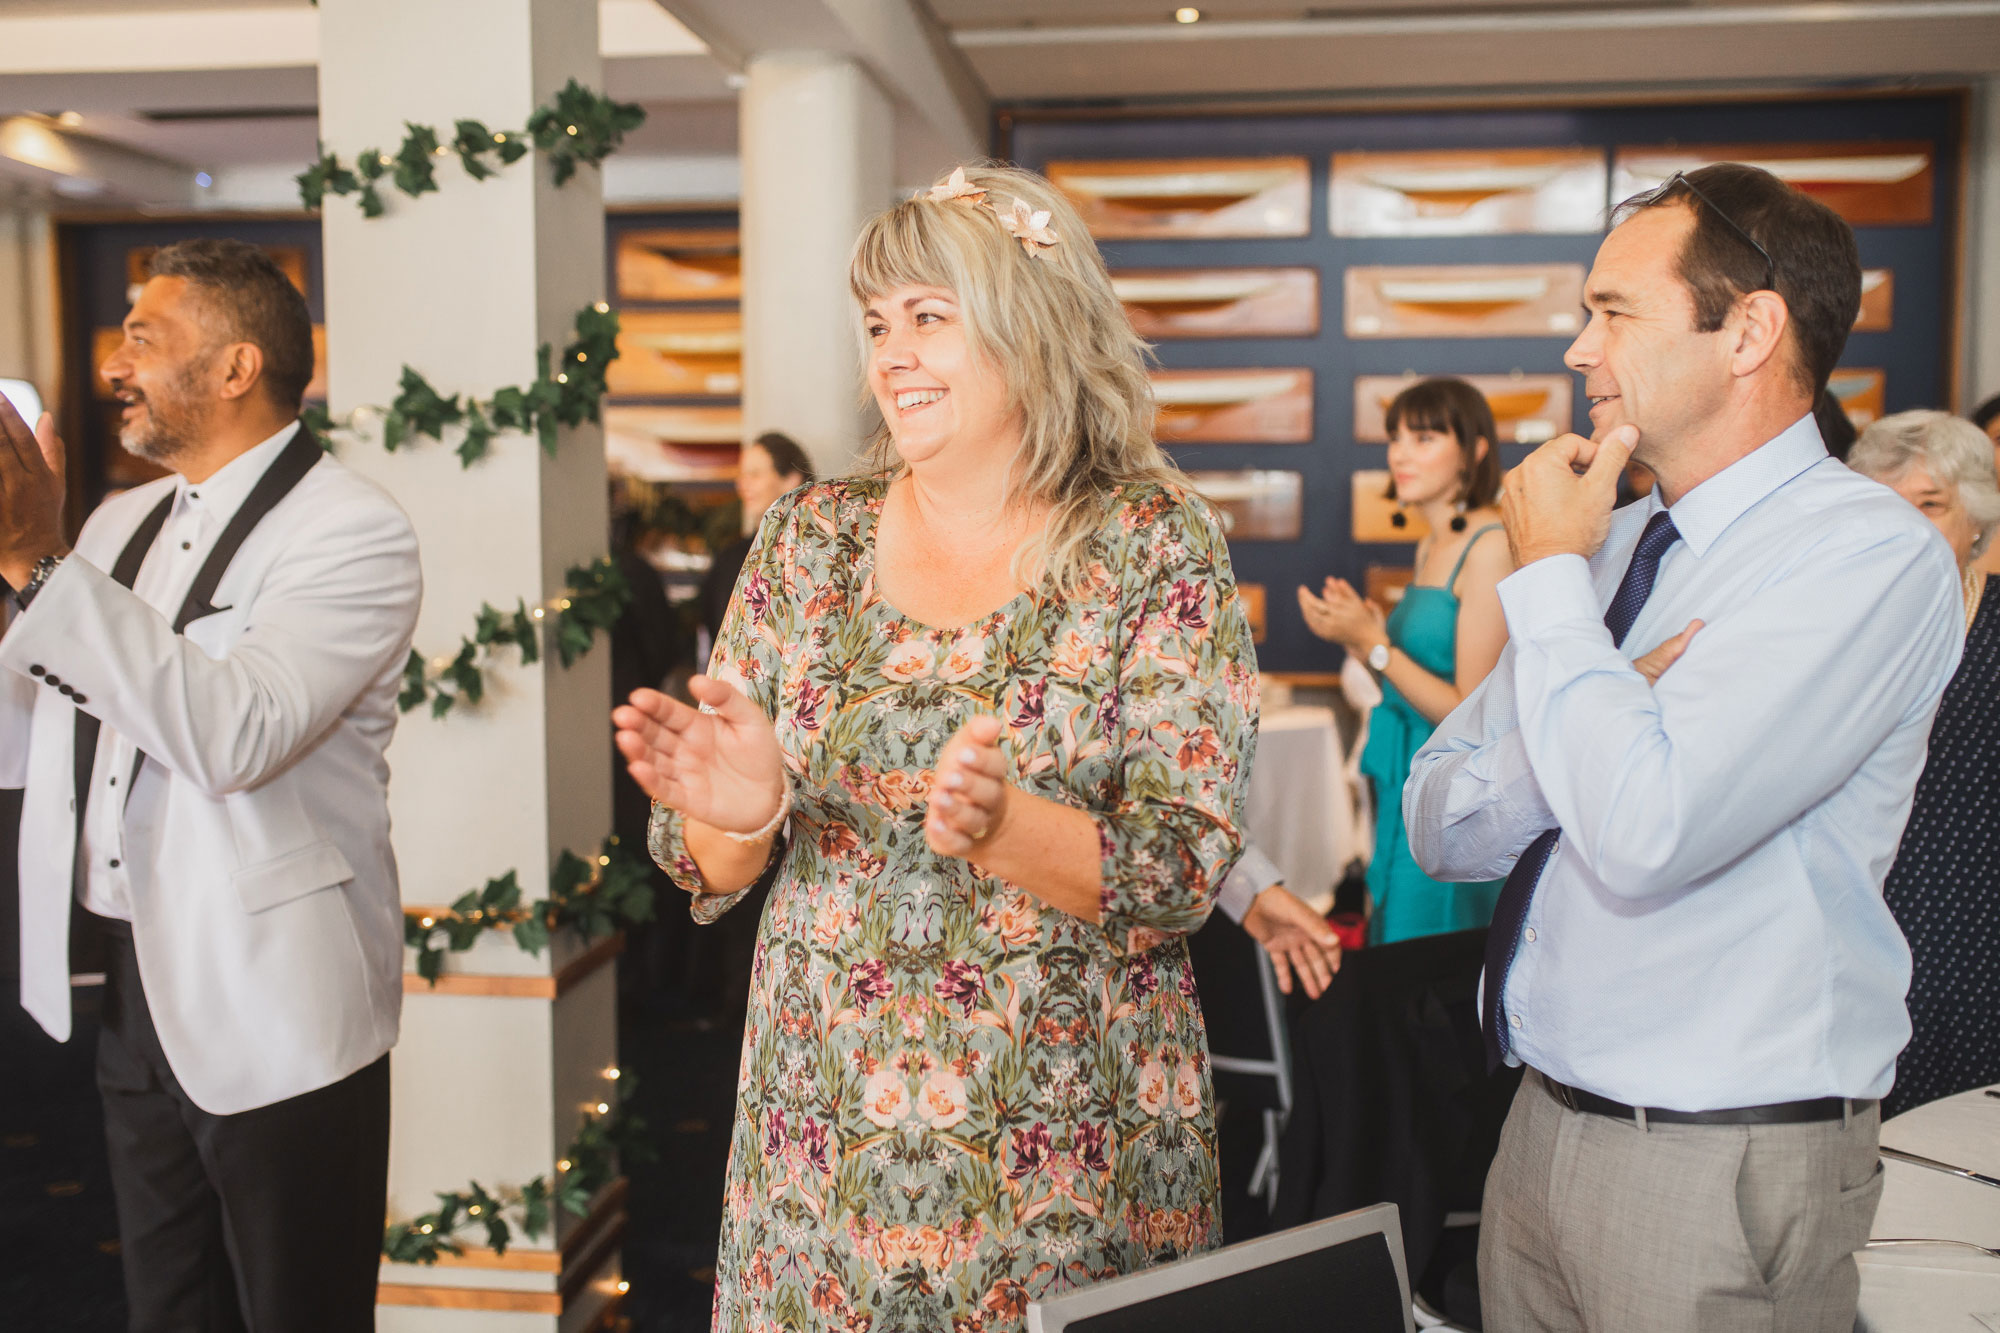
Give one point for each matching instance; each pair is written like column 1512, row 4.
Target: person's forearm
column 1431, row 695
column 1048, row 850
column 727, row 866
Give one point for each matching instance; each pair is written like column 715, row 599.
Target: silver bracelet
column 784, row 808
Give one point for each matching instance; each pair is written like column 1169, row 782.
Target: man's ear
column 242, row 367
column 1760, row 322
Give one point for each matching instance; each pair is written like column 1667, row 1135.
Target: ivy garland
column 596, row 596
column 564, row 393
column 586, row 1167
column 575, row 126
column 591, row 897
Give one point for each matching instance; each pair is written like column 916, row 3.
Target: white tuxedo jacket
column 268, row 924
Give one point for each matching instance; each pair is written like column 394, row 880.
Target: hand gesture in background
column 1340, row 615
column 1297, row 938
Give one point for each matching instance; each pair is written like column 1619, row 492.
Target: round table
column 1937, row 1288
column 1299, row 811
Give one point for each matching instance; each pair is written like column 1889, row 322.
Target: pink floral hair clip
column 1029, row 226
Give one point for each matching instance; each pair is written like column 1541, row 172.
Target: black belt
column 1777, row 1113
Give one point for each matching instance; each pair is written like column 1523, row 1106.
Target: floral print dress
column 953, row 1098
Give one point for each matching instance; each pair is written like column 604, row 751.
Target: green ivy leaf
column 525, row 636
column 416, row 161
column 464, row 672
column 421, row 409
column 479, row 433
column 531, row 932
column 415, row 689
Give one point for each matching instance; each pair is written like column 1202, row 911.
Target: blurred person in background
column 772, row 464
column 1987, row 417
column 1437, row 645
column 1944, row 886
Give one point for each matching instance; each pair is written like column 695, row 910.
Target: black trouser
column 269, row 1220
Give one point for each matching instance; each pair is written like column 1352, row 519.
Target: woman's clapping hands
column 722, row 767
column 1341, row 615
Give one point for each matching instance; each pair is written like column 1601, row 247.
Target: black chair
column 1341, row 1275
column 1392, row 1101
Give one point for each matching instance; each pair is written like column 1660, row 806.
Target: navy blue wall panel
column 1915, row 354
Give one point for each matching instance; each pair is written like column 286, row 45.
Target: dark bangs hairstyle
column 1461, row 411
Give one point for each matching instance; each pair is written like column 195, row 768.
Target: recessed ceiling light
column 1187, row 14
column 71, row 119
column 203, row 179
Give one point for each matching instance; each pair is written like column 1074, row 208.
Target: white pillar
column 818, row 160
column 495, row 1066
column 1981, row 290
column 27, row 296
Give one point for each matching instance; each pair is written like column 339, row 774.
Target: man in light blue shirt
column 1692, row 954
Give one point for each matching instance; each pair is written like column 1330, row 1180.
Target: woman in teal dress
column 1438, row 644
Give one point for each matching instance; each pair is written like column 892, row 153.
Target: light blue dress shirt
column 1710, row 932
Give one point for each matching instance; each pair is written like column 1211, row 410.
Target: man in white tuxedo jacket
column 197, row 700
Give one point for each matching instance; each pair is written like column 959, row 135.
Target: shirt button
column 1515, row 1019
column 112, row 781
column 36, row 669
column 52, row 679
column 1529, row 935
column 114, row 866
column 187, row 546
column 74, row 697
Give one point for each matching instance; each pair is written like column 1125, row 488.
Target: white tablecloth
column 1937, row 1289
column 1300, row 812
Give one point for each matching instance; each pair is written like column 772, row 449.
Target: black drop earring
column 1399, row 520
column 1458, row 518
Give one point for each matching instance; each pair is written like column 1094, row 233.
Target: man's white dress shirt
column 200, row 512
column 1710, row 930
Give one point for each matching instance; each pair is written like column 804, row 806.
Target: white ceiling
column 116, row 61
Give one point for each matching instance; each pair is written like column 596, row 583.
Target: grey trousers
column 1592, row 1223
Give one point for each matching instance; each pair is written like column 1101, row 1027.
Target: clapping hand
column 32, row 492
column 722, row 767
column 1341, row 615
column 969, row 791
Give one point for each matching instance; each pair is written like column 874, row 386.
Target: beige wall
column 27, row 297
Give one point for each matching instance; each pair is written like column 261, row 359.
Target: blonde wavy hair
column 1074, row 367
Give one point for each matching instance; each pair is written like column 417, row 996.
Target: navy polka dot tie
column 1510, row 913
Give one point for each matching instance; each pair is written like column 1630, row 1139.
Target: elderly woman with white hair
column 1942, row 887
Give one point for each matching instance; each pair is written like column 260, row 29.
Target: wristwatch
column 39, row 575
column 1378, row 658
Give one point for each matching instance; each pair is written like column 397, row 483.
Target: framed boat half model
column 1220, row 302
column 1867, row 183
column 1189, row 197
column 1527, row 409
column 1467, row 192
column 1465, row 301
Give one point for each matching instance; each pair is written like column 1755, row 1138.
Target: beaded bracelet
column 784, row 808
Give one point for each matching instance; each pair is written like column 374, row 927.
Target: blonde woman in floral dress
column 989, row 709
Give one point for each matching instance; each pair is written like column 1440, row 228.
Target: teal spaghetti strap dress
column 1407, row 902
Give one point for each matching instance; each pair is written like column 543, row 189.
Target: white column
column 1980, row 322
column 818, row 161
column 495, row 1066
column 27, row 296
